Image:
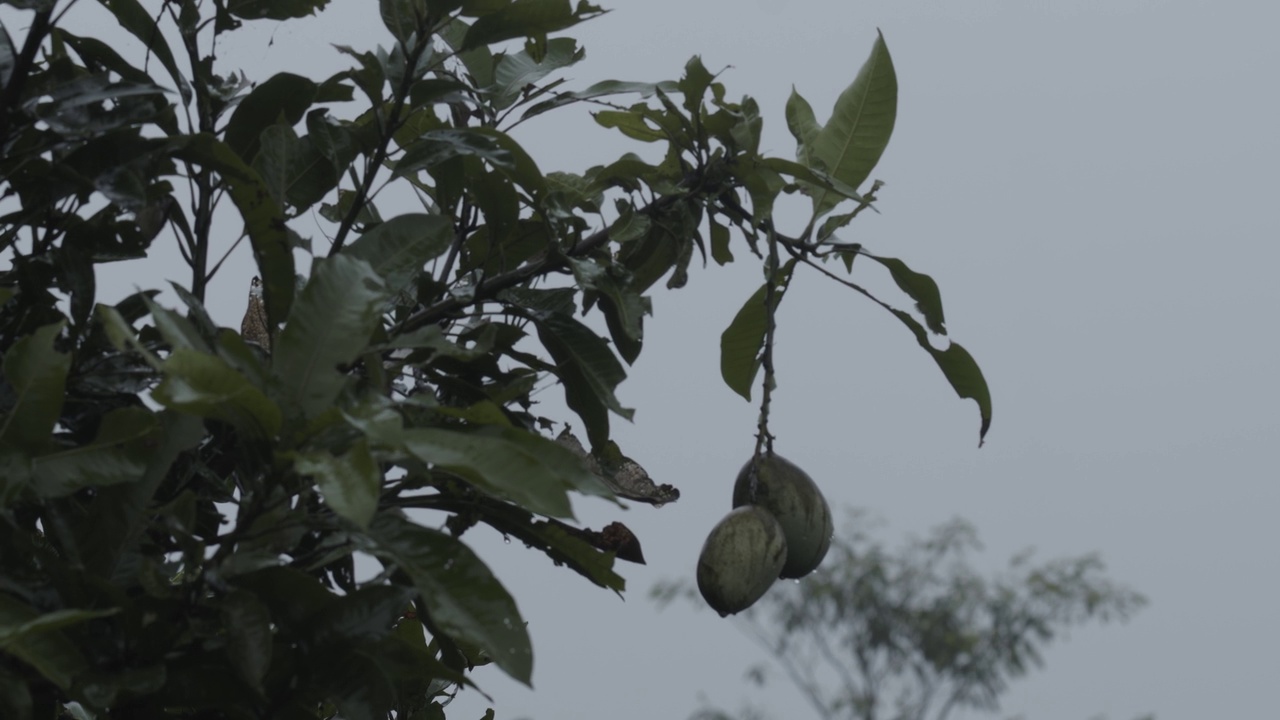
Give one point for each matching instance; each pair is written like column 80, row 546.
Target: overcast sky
column 1093, row 185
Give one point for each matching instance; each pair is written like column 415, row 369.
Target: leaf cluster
column 182, row 504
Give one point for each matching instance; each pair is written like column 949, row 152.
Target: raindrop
column 506, row 539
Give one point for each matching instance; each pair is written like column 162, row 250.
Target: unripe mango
column 740, row 560
column 791, row 496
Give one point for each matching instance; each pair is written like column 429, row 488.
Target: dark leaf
column 293, row 169
column 349, row 482
column 330, row 325
column 402, row 17
column 921, row 288
column 118, row 454
column 398, row 248
column 464, row 598
column 516, row 71
column 742, row 342
column 138, row 21
column 588, row 370
column 37, row 639
column 38, row 374
column 284, row 97
column 274, row 9
column 526, row 18
column 205, row 385
column 720, row 243
column 437, row 146
column 600, row 89
column 120, row 512
column 249, row 638
column 509, row 463
column 560, row 542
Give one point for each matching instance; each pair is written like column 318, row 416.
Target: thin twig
column 381, row 153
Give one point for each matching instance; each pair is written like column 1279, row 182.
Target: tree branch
column 487, row 289
column 40, row 26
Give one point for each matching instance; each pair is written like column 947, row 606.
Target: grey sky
column 1092, row 184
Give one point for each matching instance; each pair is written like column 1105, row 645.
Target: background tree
column 181, row 504
column 917, row 633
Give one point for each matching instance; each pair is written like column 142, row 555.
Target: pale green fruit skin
column 791, row 496
column 740, row 559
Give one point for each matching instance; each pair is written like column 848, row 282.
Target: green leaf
column 249, row 638
column 763, row 184
column 516, row 71
column 292, row 168
column 118, row 454
column 330, row 325
column 12, row 633
column 694, row 83
column 600, row 89
column 851, row 143
column 507, row 462
column 588, row 369
column 437, row 146
column 720, row 243
column 206, row 386
column 178, row 331
column 746, row 131
column 742, row 342
column 813, row 176
column 478, row 60
column 625, row 305
column 559, row 545
column 920, row 287
column 349, row 483
column 631, row 124
column 293, row 598
column 38, row 374
column 521, row 169
column 464, row 598
column 803, row 126
column 121, row 512
column 38, row 641
column 401, row 17
column 526, row 18
column 398, row 248
column 282, row 97
column 959, row 367
column 274, row 9
column 263, row 218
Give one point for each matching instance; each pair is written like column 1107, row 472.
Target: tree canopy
column 181, row 504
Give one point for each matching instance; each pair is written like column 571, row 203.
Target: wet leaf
column 742, row 342
column 464, row 598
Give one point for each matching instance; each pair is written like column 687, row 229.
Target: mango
column 790, row 495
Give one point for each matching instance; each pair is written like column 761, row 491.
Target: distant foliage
column 181, row 503
column 917, row 633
